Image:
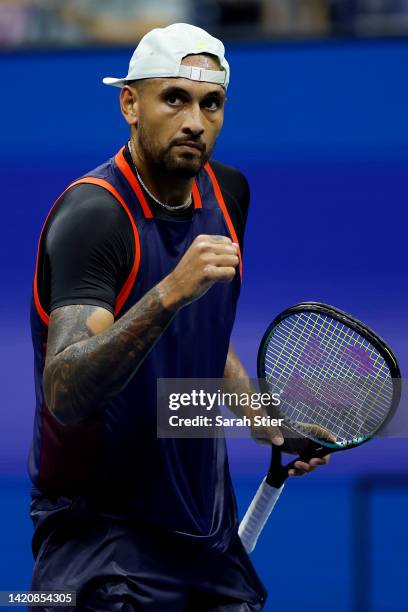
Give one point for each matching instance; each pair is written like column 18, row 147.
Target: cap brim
column 114, row 82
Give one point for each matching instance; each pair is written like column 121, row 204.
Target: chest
column 163, row 243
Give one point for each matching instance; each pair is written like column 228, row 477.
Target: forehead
column 194, row 88
column 197, row 89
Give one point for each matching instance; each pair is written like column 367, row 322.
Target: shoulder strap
column 224, row 209
column 127, row 287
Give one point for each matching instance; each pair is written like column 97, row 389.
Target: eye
column 212, row 104
column 174, row 99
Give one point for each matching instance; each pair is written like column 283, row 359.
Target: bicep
column 89, row 249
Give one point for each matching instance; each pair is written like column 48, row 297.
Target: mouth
column 190, row 146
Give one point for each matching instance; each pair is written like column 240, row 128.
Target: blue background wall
column 321, row 131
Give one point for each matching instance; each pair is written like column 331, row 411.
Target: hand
column 209, row 259
column 273, row 435
column 266, row 434
column 304, row 467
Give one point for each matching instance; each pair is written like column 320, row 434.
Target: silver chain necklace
column 162, row 204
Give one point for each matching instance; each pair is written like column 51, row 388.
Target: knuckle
column 201, row 237
column 225, row 239
column 207, row 273
column 205, row 258
column 203, row 247
column 198, row 242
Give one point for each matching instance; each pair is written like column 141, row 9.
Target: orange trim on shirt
column 223, row 206
column 127, row 287
column 196, row 196
column 133, row 182
column 124, row 167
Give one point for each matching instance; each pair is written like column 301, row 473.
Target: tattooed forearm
column 84, row 370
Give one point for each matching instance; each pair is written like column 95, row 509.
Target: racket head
column 324, row 338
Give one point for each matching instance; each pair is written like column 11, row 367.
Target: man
column 138, row 274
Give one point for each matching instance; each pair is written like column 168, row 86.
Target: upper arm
column 88, row 250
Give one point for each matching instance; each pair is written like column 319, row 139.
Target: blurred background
column 62, row 23
column 317, row 119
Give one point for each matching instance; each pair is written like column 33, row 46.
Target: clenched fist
column 209, row 260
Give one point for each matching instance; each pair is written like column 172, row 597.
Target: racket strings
column 329, row 343
column 333, row 409
column 361, row 385
column 328, row 375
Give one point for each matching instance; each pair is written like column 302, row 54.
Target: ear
column 129, row 104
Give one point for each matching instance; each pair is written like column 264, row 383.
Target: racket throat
column 278, row 473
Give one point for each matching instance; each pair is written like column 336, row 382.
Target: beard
column 185, row 165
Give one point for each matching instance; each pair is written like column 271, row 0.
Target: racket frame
column 271, row 487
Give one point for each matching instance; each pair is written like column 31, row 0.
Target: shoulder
column 232, row 181
column 88, row 250
column 87, row 200
column 87, row 208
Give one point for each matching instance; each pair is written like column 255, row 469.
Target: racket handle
column 257, row 514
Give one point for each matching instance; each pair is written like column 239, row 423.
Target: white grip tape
column 257, row 514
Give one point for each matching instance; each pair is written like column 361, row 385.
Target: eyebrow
column 175, row 89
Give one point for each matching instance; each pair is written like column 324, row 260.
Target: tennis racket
column 339, row 385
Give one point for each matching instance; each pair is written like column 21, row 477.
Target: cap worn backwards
column 161, row 51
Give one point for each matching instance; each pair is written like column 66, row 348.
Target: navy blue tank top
column 116, row 460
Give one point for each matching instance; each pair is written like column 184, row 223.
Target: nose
column 193, row 123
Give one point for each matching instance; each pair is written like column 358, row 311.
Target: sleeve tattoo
column 83, row 370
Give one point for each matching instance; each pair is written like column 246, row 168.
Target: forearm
column 81, row 377
column 236, row 380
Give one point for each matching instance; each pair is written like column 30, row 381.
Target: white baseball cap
column 161, row 51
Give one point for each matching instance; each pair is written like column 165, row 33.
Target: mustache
column 189, row 141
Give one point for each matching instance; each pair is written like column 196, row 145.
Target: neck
column 165, row 186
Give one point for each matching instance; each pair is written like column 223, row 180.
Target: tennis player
column 138, row 276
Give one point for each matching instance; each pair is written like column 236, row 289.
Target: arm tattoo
column 83, row 370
